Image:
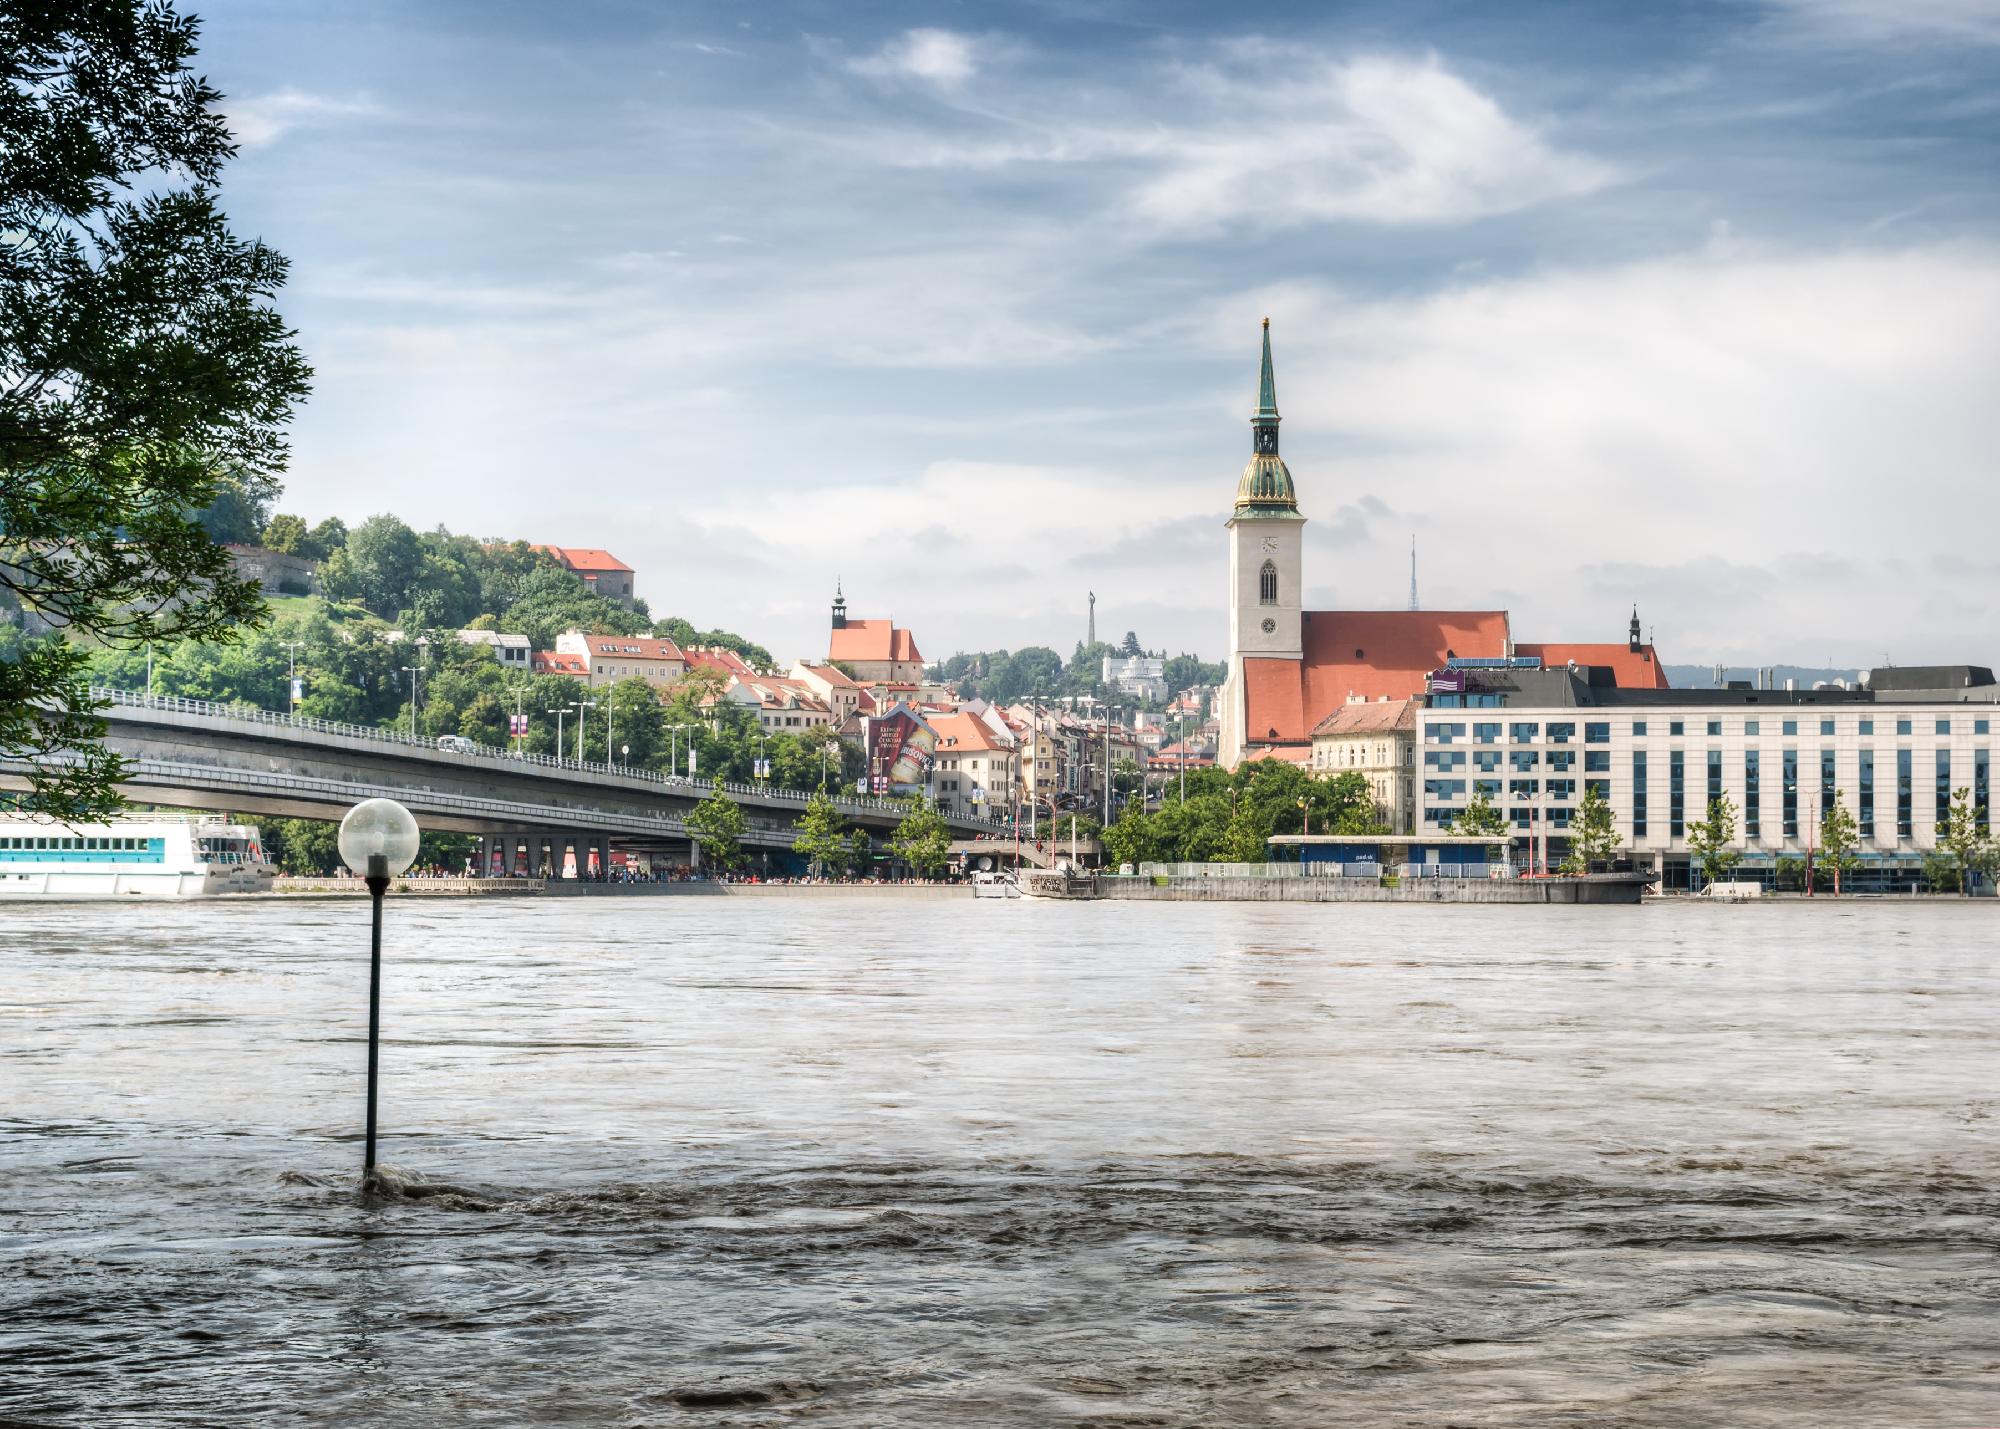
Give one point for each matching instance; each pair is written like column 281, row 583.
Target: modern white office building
column 1896, row 749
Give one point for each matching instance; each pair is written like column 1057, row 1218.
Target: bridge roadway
column 200, row 754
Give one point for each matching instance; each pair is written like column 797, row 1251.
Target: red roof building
column 598, row 569
column 876, row 651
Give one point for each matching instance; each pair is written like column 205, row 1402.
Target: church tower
column 1266, row 534
column 1266, row 563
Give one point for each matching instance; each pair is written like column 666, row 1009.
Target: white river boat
column 144, row 856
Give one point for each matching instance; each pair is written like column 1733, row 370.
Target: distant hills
column 1702, row 677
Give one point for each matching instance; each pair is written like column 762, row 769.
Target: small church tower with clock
column 1266, row 536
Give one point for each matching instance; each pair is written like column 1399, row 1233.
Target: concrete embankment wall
column 1355, row 890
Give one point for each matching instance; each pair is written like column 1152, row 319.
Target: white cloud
column 1379, row 139
column 940, row 57
column 258, row 120
column 1977, row 21
column 1569, row 441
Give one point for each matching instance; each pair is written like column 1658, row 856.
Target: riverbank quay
column 308, row 887
column 1604, row 888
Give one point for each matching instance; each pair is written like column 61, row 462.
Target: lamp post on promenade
column 378, row 840
column 560, row 712
column 580, row 706
column 413, row 671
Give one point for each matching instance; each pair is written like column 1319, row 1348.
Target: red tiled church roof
column 1365, row 654
column 1633, row 669
column 872, row 640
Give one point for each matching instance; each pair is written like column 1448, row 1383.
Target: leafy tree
column 922, row 839
column 718, row 825
column 302, row 846
column 1710, row 839
column 326, row 538
column 1593, row 834
column 378, row 567
column 1960, row 835
column 284, row 533
column 1942, row 871
column 552, row 600
column 1839, row 836
column 820, row 836
column 860, row 852
column 1790, row 872
column 683, row 634
column 144, row 374
column 1131, row 645
column 1479, row 817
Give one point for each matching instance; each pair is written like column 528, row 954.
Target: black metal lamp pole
column 378, row 884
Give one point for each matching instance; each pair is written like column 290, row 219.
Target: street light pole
column 292, row 686
column 378, row 839
column 412, row 671
column 581, row 706
column 559, row 712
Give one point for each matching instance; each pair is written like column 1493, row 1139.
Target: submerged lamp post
column 378, row 840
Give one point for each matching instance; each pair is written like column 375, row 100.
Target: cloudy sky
column 1691, row 304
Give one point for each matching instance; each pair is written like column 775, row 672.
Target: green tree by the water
column 1839, row 835
column 820, row 836
column 145, row 377
column 922, row 839
column 718, row 825
column 1709, row 840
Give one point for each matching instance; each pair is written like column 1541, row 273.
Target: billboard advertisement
column 901, row 748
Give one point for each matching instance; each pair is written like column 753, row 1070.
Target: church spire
column 1267, row 385
column 1266, row 487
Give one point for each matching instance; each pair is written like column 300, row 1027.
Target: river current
column 860, row 1161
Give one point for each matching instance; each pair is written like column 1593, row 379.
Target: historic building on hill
column 1290, row 668
column 876, row 651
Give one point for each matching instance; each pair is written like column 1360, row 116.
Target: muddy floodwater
column 863, row 1161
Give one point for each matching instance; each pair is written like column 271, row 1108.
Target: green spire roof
column 1266, row 486
column 1267, row 385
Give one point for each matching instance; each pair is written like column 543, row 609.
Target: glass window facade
column 1982, row 788
column 1864, row 817
column 1562, row 733
column 1597, row 732
column 1826, row 781
column 1486, row 760
column 1597, row 761
column 1791, row 726
column 1750, row 726
column 1675, row 727
column 1638, row 793
column 1790, row 794
column 1443, row 733
column 1714, row 728
column 1676, row 794
column 1906, row 794
column 1523, row 759
column 1902, row 726
column 1868, row 726
column 1714, row 777
column 1638, row 729
column 1753, row 794
column 1562, row 758
column 1944, row 726
column 1523, row 733
column 1943, row 787
column 1444, row 759
column 1488, row 733
column 1826, row 726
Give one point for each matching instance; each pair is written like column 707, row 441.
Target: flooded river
column 860, row 1162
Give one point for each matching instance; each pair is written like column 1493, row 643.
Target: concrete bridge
column 529, row 809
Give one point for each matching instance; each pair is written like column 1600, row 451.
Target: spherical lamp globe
column 378, row 827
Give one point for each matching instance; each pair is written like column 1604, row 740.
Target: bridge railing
column 218, row 709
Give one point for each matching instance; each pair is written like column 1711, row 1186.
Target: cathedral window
column 1267, row 585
